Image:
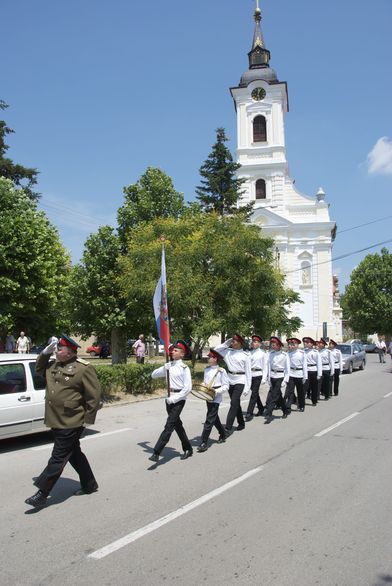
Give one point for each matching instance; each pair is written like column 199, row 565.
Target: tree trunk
column 119, row 346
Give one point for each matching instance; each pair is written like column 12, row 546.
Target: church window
column 259, row 129
column 260, row 189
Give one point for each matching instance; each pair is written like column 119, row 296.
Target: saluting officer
column 259, row 369
column 180, row 386
column 239, row 373
column 314, row 368
column 278, row 375
column 298, row 374
column 338, row 365
column 327, row 368
column 73, row 396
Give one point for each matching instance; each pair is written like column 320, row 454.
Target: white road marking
column 324, row 431
column 127, row 539
column 387, row 395
column 89, row 437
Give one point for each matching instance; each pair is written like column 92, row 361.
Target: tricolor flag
column 160, row 307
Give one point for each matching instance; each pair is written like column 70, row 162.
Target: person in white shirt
column 180, row 386
column 314, row 368
column 278, row 377
column 216, row 378
column 240, row 379
column 381, row 349
column 22, row 344
column 298, row 374
column 259, row 368
column 337, row 359
column 328, row 368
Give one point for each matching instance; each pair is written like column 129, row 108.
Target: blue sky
column 100, row 90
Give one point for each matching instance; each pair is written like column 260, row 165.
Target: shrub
column 129, row 378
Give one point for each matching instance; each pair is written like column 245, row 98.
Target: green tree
column 96, row 306
column 153, row 196
column 220, row 189
column 367, row 301
column 34, row 267
column 221, row 278
column 21, row 176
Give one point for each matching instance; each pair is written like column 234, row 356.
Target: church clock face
column 258, row 94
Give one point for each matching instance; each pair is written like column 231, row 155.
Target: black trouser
column 313, row 385
column 381, row 355
column 235, row 392
column 336, row 379
column 173, row 422
column 139, row 359
column 255, row 396
column 326, row 384
column 66, row 449
column 274, row 398
column 211, row 420
column 295, row 383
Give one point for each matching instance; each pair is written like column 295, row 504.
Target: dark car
column 353, row 357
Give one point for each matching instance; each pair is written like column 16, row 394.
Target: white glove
column 170, row 400
column 246, row 392
column 167, row 365
column 52, row 347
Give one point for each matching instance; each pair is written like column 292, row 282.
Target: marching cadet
column 298, row 374
column 314, row 368
column 259, row 370
column 327, row 368
column 73, row 397
column 240, row 379
column 338, row 365
column 180, row 383
column 278, row 374
column 216, row 378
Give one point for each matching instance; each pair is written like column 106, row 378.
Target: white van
column 22, row 396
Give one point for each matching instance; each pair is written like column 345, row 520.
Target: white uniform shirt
column 337, row 359
column 298, row 364
column 259, row 363
column 278, row 365
column 313, row 359
column 326, row 360
column 237, row 361
column 180, row 378
column 220, row 383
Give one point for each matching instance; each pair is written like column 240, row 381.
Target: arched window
column 260, row 189
column 259, row 129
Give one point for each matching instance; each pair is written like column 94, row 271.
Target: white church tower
column 300, row 225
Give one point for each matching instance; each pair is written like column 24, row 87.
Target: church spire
column 259, row 56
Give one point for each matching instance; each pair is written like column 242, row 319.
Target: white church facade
column 300, row 225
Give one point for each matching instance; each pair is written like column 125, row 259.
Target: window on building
column 259, row 129
column 260, row 189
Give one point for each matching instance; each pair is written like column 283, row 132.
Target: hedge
column 134, row 379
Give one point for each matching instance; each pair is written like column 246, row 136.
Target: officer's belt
column 218, row 387
column 277, row 370
column 296, row 368
column 231, row 372
column 257, row 370
column 175, row 390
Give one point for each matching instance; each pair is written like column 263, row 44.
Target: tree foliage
column 220, row 189
column 367, row 301
column 21, row 176
column 221, row 278
column 34, row 267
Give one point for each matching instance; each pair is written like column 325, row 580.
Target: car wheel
column 362, row 365
column 93, row 354
column 350, row 368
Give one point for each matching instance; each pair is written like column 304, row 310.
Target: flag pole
column 166, row 347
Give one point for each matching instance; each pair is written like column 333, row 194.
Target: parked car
column 367, row 346
column 353, row 357
column 102, row 350
column 22, row 396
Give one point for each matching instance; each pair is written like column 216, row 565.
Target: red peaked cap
column 277, row 340
column 181, row 345
column 308, row 339
column 214, row 354
column 257, row 337
column 333, row 342
column 323, row 341
column 296, row 340
column 67, row 341
column 239, row 339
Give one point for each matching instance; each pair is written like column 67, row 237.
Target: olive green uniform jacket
column 73, row 392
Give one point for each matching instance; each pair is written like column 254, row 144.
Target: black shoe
column 87, row 490
column 154, row 457
column 301, row 409
column 202, row 448
column 259, row 413
column 286, row 414
column 186, row 454
column 240, row 427
column 268, row 419
column 314, row 404
column 228, row 432
column 221, row 439
column 38, row 500
column 248, row 417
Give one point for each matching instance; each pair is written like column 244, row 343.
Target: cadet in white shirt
column 327, row 368
column 278, row 375
column 314, row 368
column 259, row 368
column 216, row 378
column 298, row 374
column 239, row 373
column 338, row 365
column 180, row 387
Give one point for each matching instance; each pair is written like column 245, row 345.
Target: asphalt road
column 296, row 502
